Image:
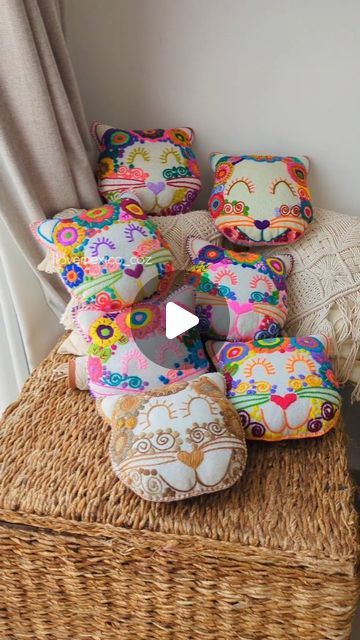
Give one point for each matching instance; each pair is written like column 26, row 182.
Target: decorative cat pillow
column 129, row 351
column 239, row 296
column 177, row 442
column 282, row 387
column 109, row 256
column 157, row 164
column 260, row 199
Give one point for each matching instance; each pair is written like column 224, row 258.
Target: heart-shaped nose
column 262, row 224
column 156, row 187
column 284, row 401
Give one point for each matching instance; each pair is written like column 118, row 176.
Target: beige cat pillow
column 176, row 442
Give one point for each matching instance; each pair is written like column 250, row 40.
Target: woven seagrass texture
column 82, row 557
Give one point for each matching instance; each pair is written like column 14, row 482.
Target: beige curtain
column 44, row 159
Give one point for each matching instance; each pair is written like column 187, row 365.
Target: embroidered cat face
column 129, row 351
column 157, row 164
column 282, row 388
column 108, row 256
column 239, row 296
column 260, row 199
column 177, row 442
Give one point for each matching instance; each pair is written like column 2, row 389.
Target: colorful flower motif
column 120, row 138
column 267, row 345
column 179, row 136
column 196, row 355
column 140, row 321
column 131, row 207
column 216, row 204
column 308, row 342
column 276, row 265
column 297, row 171
column 328, row 375
column 296, row 384
column 73, row 275
column 223, row 172
column 105, row 167
column 263, row 387
column 147, row 247
column 150, row 134
column 92, row 269
column 67, row 236
column 238, row 352
column 104, row 332
column 306, row 210
column 99, row 217
column 95, row 368
column 313, row 381
column 211, row 253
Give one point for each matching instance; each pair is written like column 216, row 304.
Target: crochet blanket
column 324, row 287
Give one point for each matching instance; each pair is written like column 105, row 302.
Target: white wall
column 253, row 76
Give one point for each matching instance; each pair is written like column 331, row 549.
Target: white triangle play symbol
column 178, row 320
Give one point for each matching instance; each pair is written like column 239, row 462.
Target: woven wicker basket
column 273, row 558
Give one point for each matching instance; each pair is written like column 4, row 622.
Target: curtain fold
column 45, row 161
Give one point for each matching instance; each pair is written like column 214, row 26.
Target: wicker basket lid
column 295, row 497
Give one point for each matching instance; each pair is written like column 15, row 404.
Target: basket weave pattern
column 83, row 558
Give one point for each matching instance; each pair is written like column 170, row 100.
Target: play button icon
column 178, row 320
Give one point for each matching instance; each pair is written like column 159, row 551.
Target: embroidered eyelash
column 259, row 362
column 95, row 246
column 167, row 152
column 225, row 273
column 145, row 416
column 130, row 231
column 249, row 183
column 256, row 279
column 277, row 181
column 138, row 151
column 291, row 362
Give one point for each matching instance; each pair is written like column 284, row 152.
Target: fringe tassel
column 67, row 317
column 48, row 264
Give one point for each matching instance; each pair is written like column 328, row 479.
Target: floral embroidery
column 88, row 246
column 132, row 347
column 238, row 295
column 260, row 199
column 282, row 387
column 180, row 443
column 158, row 165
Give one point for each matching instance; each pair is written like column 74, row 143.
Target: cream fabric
column 44, row 141
column 324, row 287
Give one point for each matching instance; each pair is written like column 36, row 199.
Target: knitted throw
column 324, row 286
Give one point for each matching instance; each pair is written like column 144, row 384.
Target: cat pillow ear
column 288, row 261
column 325, row 340
column 97, row 131
column 84, row 319
column 306, row 162
column 43, row 231
column 215, row 158
column 194, row 246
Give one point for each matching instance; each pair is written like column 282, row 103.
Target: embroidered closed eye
column 95, row 246
column 138, row 151
column 259, row 362
column 246, row 181
column 212, row 406
column 256, row 280
column 275, row 183
column 169, row 151
column 298, row 360
column 164, row 407
column 226, row 274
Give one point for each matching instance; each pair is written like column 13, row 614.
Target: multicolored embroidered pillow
column 159, row 165
column 260, row 199
column 109, row 256
column 239, row 296
column 129, row 350
column 282, row 387
column 178, row 442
